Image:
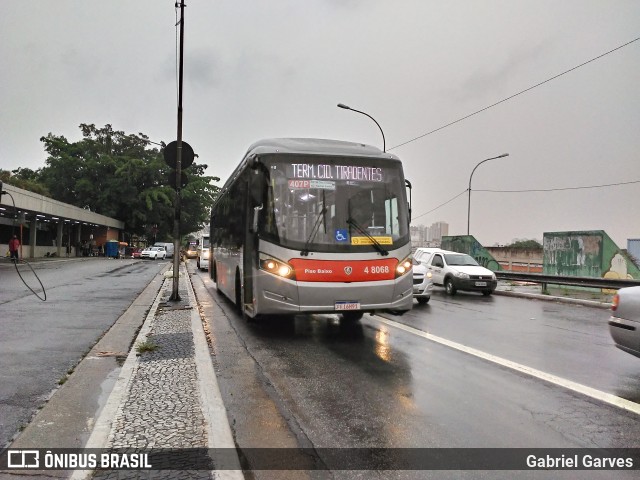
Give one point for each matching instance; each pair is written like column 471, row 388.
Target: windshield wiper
column 316, row 227
column 376, row 244
column 324, row 213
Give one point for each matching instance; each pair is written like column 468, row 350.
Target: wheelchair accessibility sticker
column 341, row 235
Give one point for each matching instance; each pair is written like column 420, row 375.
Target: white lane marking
column 547, row 377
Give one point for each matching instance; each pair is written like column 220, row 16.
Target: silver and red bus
column 313, row 226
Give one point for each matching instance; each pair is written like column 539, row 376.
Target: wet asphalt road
column 317, row 382
column 40, row 341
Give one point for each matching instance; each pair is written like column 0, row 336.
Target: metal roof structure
column 31, row 206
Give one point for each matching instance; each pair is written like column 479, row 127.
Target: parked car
column 422, row 283
column 459, row 271
column 154, row 253
column 136, row 252
column 624, row 324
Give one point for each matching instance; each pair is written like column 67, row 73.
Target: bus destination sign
column 335, row 172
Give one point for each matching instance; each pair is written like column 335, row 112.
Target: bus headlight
column 403, row 267
column 276, row 267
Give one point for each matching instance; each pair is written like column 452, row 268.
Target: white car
column 459, row 271
column 422, row 284
column 154, row 253
column 624, row 324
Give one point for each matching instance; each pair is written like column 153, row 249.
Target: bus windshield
column 335, row 203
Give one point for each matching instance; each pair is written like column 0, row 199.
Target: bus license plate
column 481, row 284
column 347, row 305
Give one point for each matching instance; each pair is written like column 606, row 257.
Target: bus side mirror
column 408, row 185
column 256, row 187
column 256, row 214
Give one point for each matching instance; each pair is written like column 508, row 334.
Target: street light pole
column 346, row 107
column 175, row 294
column 469, row 190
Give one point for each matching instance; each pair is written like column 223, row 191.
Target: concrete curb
column 549, row 298
column 219, row 435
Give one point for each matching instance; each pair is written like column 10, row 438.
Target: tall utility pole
column 175, row 295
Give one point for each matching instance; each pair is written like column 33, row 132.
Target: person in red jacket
column 14, row 246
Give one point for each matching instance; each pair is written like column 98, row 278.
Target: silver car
column 422, row 284
column 624, row 324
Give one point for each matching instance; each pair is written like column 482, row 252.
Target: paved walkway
column 167, row 395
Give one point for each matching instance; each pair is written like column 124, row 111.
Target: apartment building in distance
column 428, row 236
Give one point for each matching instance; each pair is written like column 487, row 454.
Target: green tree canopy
column 118, row 175
column 26, row 179
column 525, row 244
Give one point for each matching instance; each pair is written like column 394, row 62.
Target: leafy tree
column 117, row 175
column 525, row 244
column 26, row 179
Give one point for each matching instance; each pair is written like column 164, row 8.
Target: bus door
column 254, row 205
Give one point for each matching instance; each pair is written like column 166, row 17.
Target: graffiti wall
column 586, row 254
column 469, row 245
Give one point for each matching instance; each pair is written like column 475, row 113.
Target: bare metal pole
column 175, row 295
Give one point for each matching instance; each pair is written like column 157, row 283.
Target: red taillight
column 615, row 302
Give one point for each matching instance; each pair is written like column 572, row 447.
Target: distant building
column 439, row 230
column 417, row 235
column 422, row 236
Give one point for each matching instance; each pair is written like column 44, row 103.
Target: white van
column 202, row 261
column 458, row 271
column 422, row 254
column 167, row 246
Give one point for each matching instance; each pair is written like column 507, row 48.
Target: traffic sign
column 171, row 155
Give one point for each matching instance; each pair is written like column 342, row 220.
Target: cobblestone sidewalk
column 161, row 406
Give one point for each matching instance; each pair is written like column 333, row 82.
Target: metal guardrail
column 608, row 283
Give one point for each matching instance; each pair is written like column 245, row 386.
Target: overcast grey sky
column 277, row 68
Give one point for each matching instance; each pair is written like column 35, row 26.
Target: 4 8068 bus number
column 377, row 269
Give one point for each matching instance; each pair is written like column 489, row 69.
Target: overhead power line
column 513, row 96
column 525, row 191
column 441, row 205
column 559, row 189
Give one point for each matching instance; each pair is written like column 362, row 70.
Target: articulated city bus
column 313, row 226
